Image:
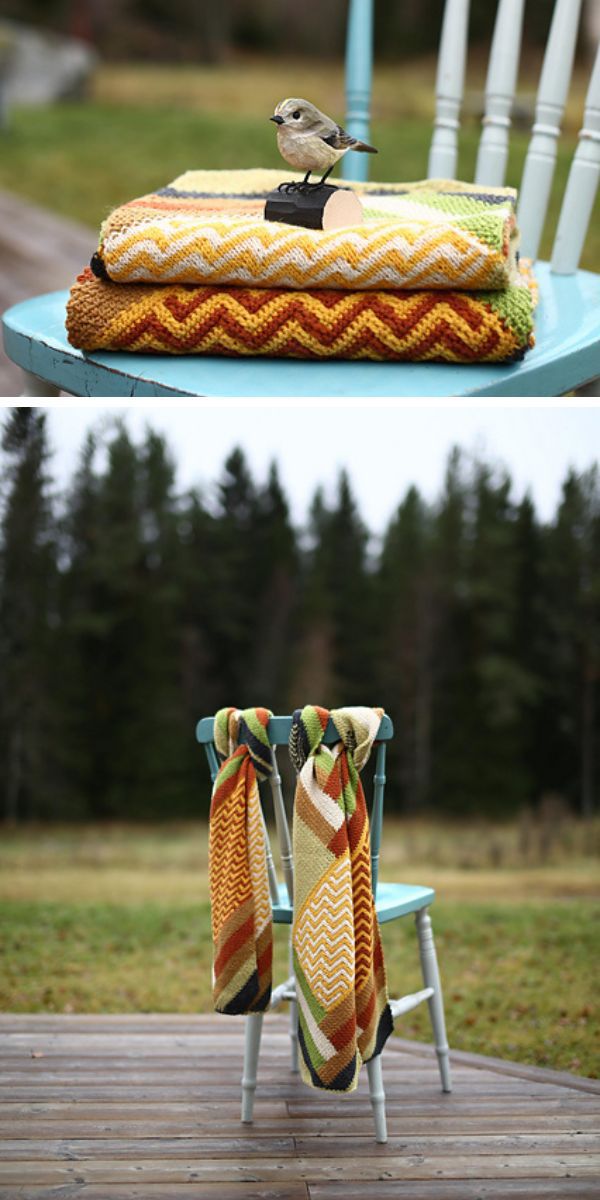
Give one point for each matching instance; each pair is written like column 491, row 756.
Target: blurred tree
column 338, row 615
column 204, row 31
column 136, row 611
column 27, row 618
column 276, row 566
column 405, row 649
column 482, row 685
column 573, row 660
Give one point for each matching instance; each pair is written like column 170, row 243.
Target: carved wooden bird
column 311, row 141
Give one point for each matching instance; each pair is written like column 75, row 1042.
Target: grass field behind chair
column 116, row 919
column 143, row 125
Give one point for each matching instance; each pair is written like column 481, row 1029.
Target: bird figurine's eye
column 296, row 114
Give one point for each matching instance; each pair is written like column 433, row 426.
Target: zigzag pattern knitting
column 207, row 227
column 447, row 326
column 343, row 1010
column 239, row 888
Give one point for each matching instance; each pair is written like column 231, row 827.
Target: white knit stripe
column 327, row 808
column 398, row 249
column 324, row 934
column 324, row 1046
column 260, row 237
column 442, row 264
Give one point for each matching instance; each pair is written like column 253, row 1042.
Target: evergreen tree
column 276, row 565
column 482, row 688
column 531, row 643
column 573, row 660
column 27, row 620
column 85, row 628
column 236, row 583
column 405, row 644
column 335, row 658
column 453, row 676
column 137, row 611
column 504, row 687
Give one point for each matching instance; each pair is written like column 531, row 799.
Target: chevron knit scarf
column 239, row 886
column 234, row 322
column 343, row 1010
column 430, row 275
column 207, row 227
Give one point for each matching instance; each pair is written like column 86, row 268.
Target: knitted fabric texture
column 207, row 227
column 239, row 887
column 451, row 326
column 344, row 1018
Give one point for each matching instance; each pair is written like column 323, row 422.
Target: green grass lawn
column 117, row 920
column 143, row 126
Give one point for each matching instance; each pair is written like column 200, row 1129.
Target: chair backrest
column 538, row 173
column 279, row 731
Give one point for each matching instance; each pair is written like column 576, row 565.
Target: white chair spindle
column 582, row 186
column 449, row 90
column 273, row 885
column 552, row 94
column 499, row 93
column 283, row 832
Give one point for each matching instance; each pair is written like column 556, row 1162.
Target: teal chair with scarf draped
column 567, row 351
column 392, row 901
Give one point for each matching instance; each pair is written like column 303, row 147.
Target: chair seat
column 393, row 900
column 567, row 355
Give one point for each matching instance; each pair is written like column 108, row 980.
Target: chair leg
column 254, row 1024
column 377, row 1097
column 293, row 1022
column 431, row 977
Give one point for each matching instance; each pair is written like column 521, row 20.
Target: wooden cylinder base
column 314, row 207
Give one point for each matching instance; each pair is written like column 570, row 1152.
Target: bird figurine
column 311, row 141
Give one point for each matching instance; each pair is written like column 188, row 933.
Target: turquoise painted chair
column 567, row 354
column 392, row 900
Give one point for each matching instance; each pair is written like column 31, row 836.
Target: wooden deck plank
column 478, row 1189
column 464, row 1189
column 154, row 1125
column 120, row 1108
column 522, row 1070
column 227, row 1146
column 38, row 1075
column 217, row 1170
column 40, row 251
column 298, row 1105
column 160, row 1191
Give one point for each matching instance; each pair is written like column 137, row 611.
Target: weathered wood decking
column 39, row 252
column 147, row 1108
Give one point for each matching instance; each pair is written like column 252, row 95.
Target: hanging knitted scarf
column 343, row 1010
column 239, row 886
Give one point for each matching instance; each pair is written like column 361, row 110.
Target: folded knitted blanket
column 239, row 886
column 344, row 1018
column 449, row 326
column 207, row 227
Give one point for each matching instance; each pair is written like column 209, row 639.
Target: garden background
column 128, row 610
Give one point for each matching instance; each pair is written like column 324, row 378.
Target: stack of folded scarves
column 432, row 273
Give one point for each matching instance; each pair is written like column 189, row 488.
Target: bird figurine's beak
column 277, row 119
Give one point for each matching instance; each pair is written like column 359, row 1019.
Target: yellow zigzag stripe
column 389, row 255
column 443, row 317
column 229, row 874
column 258, row 864
column 324, row 935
